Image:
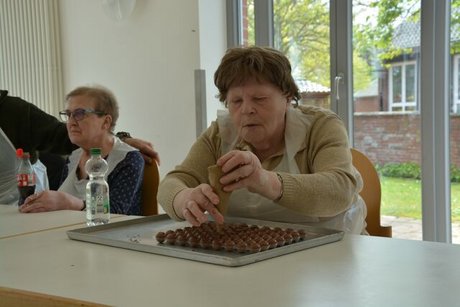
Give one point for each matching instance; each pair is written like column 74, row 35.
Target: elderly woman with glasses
column 91, row 115
column 280, row 161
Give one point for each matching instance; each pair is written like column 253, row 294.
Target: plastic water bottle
column 97, row 190
column 25, row 176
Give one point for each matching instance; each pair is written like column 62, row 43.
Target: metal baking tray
column 139, row 234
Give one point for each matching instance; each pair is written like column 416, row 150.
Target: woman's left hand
column 243, row 169
column 50, row 201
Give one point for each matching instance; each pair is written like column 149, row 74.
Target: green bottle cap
column 95, row 151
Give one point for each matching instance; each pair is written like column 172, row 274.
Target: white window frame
column 404, row 105
column 456, row 95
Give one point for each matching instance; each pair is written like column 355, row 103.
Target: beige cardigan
column 328, row 185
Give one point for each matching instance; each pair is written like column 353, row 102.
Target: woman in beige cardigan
column 280, row 161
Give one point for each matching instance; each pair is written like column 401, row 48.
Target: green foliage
column 361, row 73
column 390, row 15
column 250, row 20
column 302, row 33
column 401, row 170
column 411, row 170
column 455, row 9
column 454, row 174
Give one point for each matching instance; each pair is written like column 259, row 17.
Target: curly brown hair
column 265, row 64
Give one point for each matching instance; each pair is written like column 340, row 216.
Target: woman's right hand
column 191, row 204
column 50, row 201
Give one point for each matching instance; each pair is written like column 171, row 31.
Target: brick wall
column 367, row 104
column 391, row 137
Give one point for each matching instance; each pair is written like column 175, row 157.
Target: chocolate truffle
column 302, row 234
column 273, row 243
column 180, row 240
column 295, row 236
column 287, row 238
column 229, row 245
column 264, row 245
column 193, row 241
column 280, row 241
column 216, row 245
column 161, row 236
column 254, row 247
column 241, row 247
column 170, row 238
column 205, row 243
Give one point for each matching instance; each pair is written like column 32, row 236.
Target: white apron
column 243, row 203
column 76, row 187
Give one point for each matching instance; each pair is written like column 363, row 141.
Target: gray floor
column 407, row 228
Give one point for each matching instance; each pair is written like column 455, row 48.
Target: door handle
column 337, row 80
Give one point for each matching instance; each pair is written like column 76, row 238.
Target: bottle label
column 101, row 204
column 106, row 206
column 25, row 180
column 99, row 201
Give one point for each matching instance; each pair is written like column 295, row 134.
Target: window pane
column 455, row 122
column 410, row 83
column 301, row 31
column 247, row 14
column 456, row 108
column 386, row 46
column 396, row 74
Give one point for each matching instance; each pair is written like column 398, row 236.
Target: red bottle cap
column 19, row 152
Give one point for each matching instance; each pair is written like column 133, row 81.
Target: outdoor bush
column 454, row 174
column 401, row 170
column 411, row 170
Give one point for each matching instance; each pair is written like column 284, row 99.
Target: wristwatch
column 123, row 135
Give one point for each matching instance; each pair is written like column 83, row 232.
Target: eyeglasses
column 78, row 114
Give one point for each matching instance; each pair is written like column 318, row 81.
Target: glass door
column 301, row 32
column 454, row 118
column 386, row 108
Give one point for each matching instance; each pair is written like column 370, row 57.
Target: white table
column 14, row 223
column 357, row 271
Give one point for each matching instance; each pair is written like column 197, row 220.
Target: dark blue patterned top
column 125, row 184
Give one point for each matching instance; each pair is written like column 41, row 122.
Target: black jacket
column 32, row 129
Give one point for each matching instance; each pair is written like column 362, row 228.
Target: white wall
column 148, row 60
column 213, row 43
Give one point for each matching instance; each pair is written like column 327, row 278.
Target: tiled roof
column 407, row 35
column 306, row 86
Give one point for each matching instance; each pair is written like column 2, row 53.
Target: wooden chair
column 371, row 194
column 149, row 205
column 23, row 298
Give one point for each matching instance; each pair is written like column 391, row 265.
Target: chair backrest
column 149, row 205
column 371, row 194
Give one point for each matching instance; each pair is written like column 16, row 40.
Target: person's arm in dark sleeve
column 31, row 128
column 48, row 133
